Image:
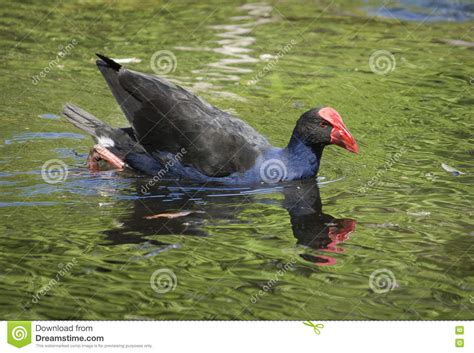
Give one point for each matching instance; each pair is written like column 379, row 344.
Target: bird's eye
column 323, row 124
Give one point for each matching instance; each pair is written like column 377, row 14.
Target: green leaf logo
column 19, row 333
column 316, row 327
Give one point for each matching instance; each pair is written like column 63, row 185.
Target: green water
column 82, row 249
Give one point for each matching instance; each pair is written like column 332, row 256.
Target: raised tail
column 107, row 62
column 111, row 72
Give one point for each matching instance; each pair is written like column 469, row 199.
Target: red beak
column 340, row 135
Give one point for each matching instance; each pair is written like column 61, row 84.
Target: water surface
column 386, row 234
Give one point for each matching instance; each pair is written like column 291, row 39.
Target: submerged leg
column 99, row 153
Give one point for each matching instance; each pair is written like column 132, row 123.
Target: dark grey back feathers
column 167, row 118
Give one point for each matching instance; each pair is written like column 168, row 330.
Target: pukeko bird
column 176, row 134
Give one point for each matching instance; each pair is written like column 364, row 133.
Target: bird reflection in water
column 199, row 206
column 311, row 227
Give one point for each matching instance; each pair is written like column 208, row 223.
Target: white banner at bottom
column 237, row 336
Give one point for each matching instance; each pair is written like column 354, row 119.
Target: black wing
column 167, row 118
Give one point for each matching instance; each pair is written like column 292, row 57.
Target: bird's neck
column 304, row 159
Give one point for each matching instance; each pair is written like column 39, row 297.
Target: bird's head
column 324, row 126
